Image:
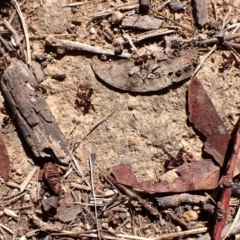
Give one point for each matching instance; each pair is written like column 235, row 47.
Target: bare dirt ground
column 141, row 126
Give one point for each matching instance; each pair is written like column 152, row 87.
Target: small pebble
column 27, row 197
column 190, row 215
column 74, row 10
column 116, row 17
column 195, row 208
column 176, row 6
column 92, row 30
column 128, row 225
column 178, row 229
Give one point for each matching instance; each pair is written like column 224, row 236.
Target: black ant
column 83, row 97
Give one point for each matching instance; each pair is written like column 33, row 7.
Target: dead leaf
column 206, row 120
column 4, row 160
column 152, row 77
column 68, row 211
column 196, row 175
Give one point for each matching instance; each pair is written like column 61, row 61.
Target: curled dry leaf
column 206, row 120
column 196, row 175
column 4, row 160
column 151, row 76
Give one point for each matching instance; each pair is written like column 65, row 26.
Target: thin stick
column 51, row 41
column 201, row 63
column 76, row 144
column 123, row 7
column 91, row 163
column 151, row 34
column 163, row 5
column 100, row 122
column 226, row 17
column 25, row 30
column 128, row 38
column 13, row 31
column 175, row 22
column 233, row 224
column 79, row 169
column 216, row 40
column 24, row 184
column 74, row 4
column 6, row 228
column 37, row 37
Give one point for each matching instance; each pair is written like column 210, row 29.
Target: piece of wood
column 32, row 114
column 201, row 12
column 4, row 160
column 154, row 76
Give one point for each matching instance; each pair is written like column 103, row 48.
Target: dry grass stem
column 6, row 228
column 236, row 219
column 24, row 184
column 25, row 30
column 204, row 59
column 91, row 165
column 73, row 4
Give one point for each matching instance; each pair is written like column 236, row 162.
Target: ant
column 39, row 88
column 83, row 97
column 180, row 158
column 6, row 120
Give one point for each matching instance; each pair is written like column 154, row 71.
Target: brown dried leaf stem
column 227, row 191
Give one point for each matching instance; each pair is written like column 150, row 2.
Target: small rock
column 59, row 76
column 123, row 215
column 109, row 193
column 92, row 30
column 190, row 215
column 44, row 64
column 178, row 229
column 128, row 225
column 74, row 10
column 176, row 6
column 27, row 197
column 116, row 17
column 195, row 208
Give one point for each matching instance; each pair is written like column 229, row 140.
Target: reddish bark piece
column 206, row 120
column 196, row 175
column 227, row 191
column 68, row 211
column 4, row 160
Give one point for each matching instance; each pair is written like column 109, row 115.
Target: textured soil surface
column 140, row 128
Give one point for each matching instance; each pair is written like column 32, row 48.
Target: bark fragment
column 201, row 12
column 32, row 114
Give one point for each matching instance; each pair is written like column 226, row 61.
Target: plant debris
column 4, row 160
column 151, row 76
column 192, row 176
column 206, row 120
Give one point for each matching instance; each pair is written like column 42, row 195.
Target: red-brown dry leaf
column 206, row 120
column 4, row 160
column 68, row 211
column 196, row 175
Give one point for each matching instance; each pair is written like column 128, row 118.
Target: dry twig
column 54, row 42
